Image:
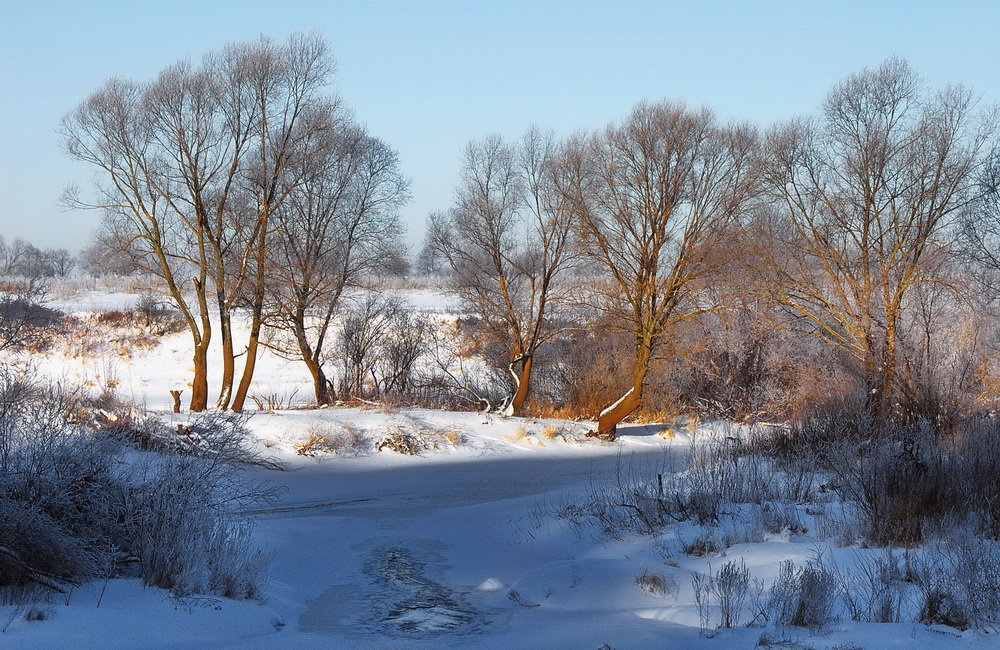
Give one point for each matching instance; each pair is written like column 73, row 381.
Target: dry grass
column 321, row 439
column 402, row 441
column 655, row 584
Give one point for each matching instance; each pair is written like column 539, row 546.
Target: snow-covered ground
column 462, row 545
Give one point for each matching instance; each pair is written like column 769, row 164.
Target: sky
column 428, row 77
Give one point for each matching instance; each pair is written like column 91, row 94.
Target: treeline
column 667, row 262
column 719, row 267
column 241, row 182
column 23, row 259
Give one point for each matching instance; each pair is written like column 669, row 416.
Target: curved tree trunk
column 240, row 398
column 321, row 386
column 522, row 385
column 607, row 421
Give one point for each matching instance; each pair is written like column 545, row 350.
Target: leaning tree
column 652, row 198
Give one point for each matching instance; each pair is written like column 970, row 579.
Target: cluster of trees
column 843, row 228
column 669, row 238
column 241, row 182
column 21, row 258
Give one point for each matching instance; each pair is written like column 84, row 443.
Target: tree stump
column 176, row 394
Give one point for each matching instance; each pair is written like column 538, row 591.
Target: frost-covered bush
column 873, row 590
column 899, row 479
column 803, row 596
column 184, row 541
column 72, row 503
column 959, row 581
column 720, row 473
column 321, row 439
column 730, row 584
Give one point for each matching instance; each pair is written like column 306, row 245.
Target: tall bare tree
column 193, row 164
column 331, row 235
column 869, row 194
column 155, row 171
column 981, row 229
column 652, row 199
column 506, row 242
column 292, row 118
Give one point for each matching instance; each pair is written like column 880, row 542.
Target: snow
column 459, row 546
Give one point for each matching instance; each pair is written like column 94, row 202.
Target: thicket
column 86, row 500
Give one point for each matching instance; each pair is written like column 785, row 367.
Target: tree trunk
column 522, row 384
column 199, row 383
column 228, row 359
column 607, row 421
column 240, row 398
column 321, row 387
column 176, row 396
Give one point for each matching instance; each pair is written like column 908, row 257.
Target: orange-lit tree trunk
column 627, row 404
column 520, row 372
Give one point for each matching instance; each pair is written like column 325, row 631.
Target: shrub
column 959, row 581
column 730, row 586
column 70, row 504
column 656, row 584
column 874, row 592
column 804, row 597
column 320, row 439
column 401, row 441
column 706, row 544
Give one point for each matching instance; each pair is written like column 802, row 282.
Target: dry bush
column 656, row 584
column 121, row 332
column 705, row 545
column 402, row 441
column 803, row 596
column 321, row 439
column 275, row 401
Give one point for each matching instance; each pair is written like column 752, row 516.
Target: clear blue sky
column 428, row 76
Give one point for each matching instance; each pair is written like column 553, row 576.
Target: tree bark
column 522, row 385
column 176, row 396
column 607, row 421
column 321, row 387
column 240, row 398
column 228, row 359
column 199, row 383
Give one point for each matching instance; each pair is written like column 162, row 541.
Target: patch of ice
column 490, row 584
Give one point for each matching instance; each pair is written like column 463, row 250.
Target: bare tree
column 652, row 198
column 506, row 242
column 332, row 234
column 292, row 119
column 868, row 197
column 25, row 321
column 183, row 157
column 59, row 261
column 146, row 197
column 981, row 229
